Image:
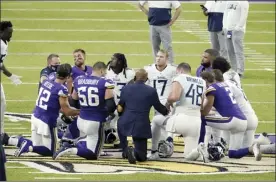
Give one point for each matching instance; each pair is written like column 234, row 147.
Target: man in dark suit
column 134, row 107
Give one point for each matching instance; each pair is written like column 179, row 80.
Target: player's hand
column 15, row 79
column 171, row 23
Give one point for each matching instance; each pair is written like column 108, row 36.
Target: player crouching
column 95, row 96
column 53, row 96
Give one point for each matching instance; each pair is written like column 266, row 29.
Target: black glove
column 66, row 119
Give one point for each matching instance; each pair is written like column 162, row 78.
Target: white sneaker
column 153, row 156
column 257, row 152
column 263, row 139
column 202, row 149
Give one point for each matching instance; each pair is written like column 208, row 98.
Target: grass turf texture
column 188, row 47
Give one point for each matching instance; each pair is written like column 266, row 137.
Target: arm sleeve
column 175, row 4
column 63, row 92
column 244, row 13
column 208, row 5
column 142, row 3
column 157, row 105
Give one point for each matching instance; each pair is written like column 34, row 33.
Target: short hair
column 212, row 52
column 221, row 64
column 209, row 76
column 51, row 56
column 218, row 75
column 164, row 52
column 79, row 50
column 184, row 66
column 4, row 25
column 99, row 65
column 64, row 70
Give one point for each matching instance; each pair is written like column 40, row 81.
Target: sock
column 237, row 154
column 153, row 151
column 14, row 141
column 268, row 149
column 42, row 150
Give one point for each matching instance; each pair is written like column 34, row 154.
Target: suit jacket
column 137, row 100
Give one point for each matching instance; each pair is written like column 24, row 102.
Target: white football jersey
column 241, row 98
column 4, row 51
column 233, row 76
column 120, row 80
column 161, row 80
column 190, row 99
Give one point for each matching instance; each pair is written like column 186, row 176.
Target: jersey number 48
column 195, row 93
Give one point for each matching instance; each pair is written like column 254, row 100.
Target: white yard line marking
column 267, row 122
column 56, row 178
column 17, row 167
column 12, row 124
column 262, row 102
column 126, row 42
column 106, row 30
column 109, row 10
column 16, row 128
column 259, row 85
column 113, row 20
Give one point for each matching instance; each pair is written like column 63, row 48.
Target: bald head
column 141, row 75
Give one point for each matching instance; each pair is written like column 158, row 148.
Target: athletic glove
column 15, row 79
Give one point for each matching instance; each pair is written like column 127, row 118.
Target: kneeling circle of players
column 204, row 108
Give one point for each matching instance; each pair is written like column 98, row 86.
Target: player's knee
column 141, row 157
column 158, row 120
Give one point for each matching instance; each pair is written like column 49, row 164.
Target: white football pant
column 42, row 135
column 235, row 126
column 188, row 126
column 94, row 132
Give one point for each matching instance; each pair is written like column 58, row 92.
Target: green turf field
column 41, row 28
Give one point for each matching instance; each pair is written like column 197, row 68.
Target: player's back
column 161, row 80
column 120, row 80
column 240, row 97
column 91, row 92
column 47, row 104
column 225, row 102
column 76, row 71
column 190, row 100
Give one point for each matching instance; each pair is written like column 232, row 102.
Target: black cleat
column 130, row 155
column 4, row 139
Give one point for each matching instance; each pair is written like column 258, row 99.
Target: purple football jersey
column 225, row 102
column 47, row 104
column 78, row 72
column 201, row 68
column 91, row 92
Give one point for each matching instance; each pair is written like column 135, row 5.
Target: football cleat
column 24, row 148
column 257, row 152
column 62, row 151
column 202, row 149
column 130, row 155
column 4, row 138
column 153, row 156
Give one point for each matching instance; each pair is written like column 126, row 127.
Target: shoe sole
column 258, row 156
column 131, row 158
column 18, row 152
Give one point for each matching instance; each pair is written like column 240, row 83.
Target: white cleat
column 263, row 139
column 202, row 149
column 153, row 156
column 257, row 152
